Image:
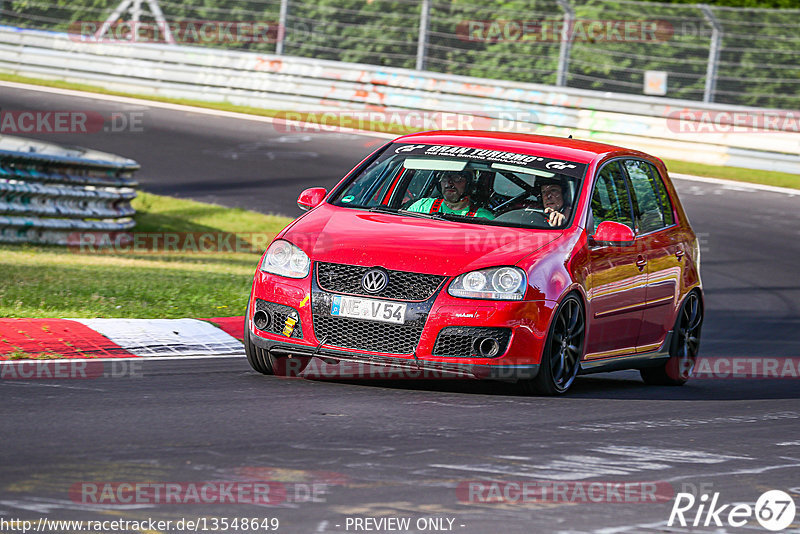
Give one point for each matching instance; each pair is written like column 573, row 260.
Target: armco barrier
column 48, row 192
column 267, row 81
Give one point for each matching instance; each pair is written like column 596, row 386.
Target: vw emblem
column 374, row 281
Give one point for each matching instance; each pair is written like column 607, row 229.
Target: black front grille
column 361, row 334
column 340, row 278
column 366, row 335
column 462, row 341
column 277, row 314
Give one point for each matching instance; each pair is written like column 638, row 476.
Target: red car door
column 661, row 244
column 616, row 286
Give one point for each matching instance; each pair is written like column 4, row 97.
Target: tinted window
column 419, row 185
column 648, row 196
column 377, row 178
column 666, row 203
column 610, row 200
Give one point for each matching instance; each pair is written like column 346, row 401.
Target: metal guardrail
column 48, row 192
column 270, row 81
column 713, row 52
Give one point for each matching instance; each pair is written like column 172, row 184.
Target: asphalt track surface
column 400, row 449
column 237, row 163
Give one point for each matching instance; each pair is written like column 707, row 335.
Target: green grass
column 19, row 354
column 730, row 173
column 155, row 213
column 50, row 281
column 778, row 179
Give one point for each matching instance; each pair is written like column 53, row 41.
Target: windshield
column 471, row 185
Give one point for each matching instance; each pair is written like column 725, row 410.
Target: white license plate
column 371, row 310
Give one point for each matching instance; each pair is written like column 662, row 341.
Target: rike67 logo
column 774, row 510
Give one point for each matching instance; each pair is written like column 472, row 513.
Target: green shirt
column 423, row 205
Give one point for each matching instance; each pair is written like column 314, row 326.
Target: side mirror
column 311, row 198
column 612, row 233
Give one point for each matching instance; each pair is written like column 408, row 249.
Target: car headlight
column 497, row 283
column 285, row 259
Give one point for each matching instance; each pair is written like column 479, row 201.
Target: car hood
column 406, row 243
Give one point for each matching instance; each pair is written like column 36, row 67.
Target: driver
column 555, row 207
column 455, row 187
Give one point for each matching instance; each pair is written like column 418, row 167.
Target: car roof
column 558, row 147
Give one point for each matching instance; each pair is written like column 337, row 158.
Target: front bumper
column 411, row 368
column 527, row 321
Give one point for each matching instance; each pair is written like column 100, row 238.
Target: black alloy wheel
column 683, row 349
column 561, row 358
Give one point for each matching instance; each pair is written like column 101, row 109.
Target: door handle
column 679, row 253
column 641, row 262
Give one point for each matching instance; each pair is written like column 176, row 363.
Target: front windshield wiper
column 397, row 211
column 463, row 218
column 438, row 215
column 383, row 209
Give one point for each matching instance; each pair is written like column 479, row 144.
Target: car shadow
column 620, row 385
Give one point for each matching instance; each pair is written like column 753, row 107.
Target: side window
column 416, row 187
column 649, row 196
column 666, row 203
column 610, row 200
column 369, row 188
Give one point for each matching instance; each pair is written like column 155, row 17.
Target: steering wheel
column 532, row 216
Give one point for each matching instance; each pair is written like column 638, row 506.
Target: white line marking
column 622, row 461
column 138, row 358
column 30, row 382
column 181, row 107
column 733, row 185
column 455, row 405
column 679, row 423
column 45, row 506
column 675, row 455
column 165, row 337
column 626, row 528
column 753, row 471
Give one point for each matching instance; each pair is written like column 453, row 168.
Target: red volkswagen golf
column 488, row 255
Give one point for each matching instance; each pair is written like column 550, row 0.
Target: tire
column 683, row 348
column 562, row 351
column 256, row 357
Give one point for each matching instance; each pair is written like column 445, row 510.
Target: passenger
column 455, row 187
column 555, row 206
